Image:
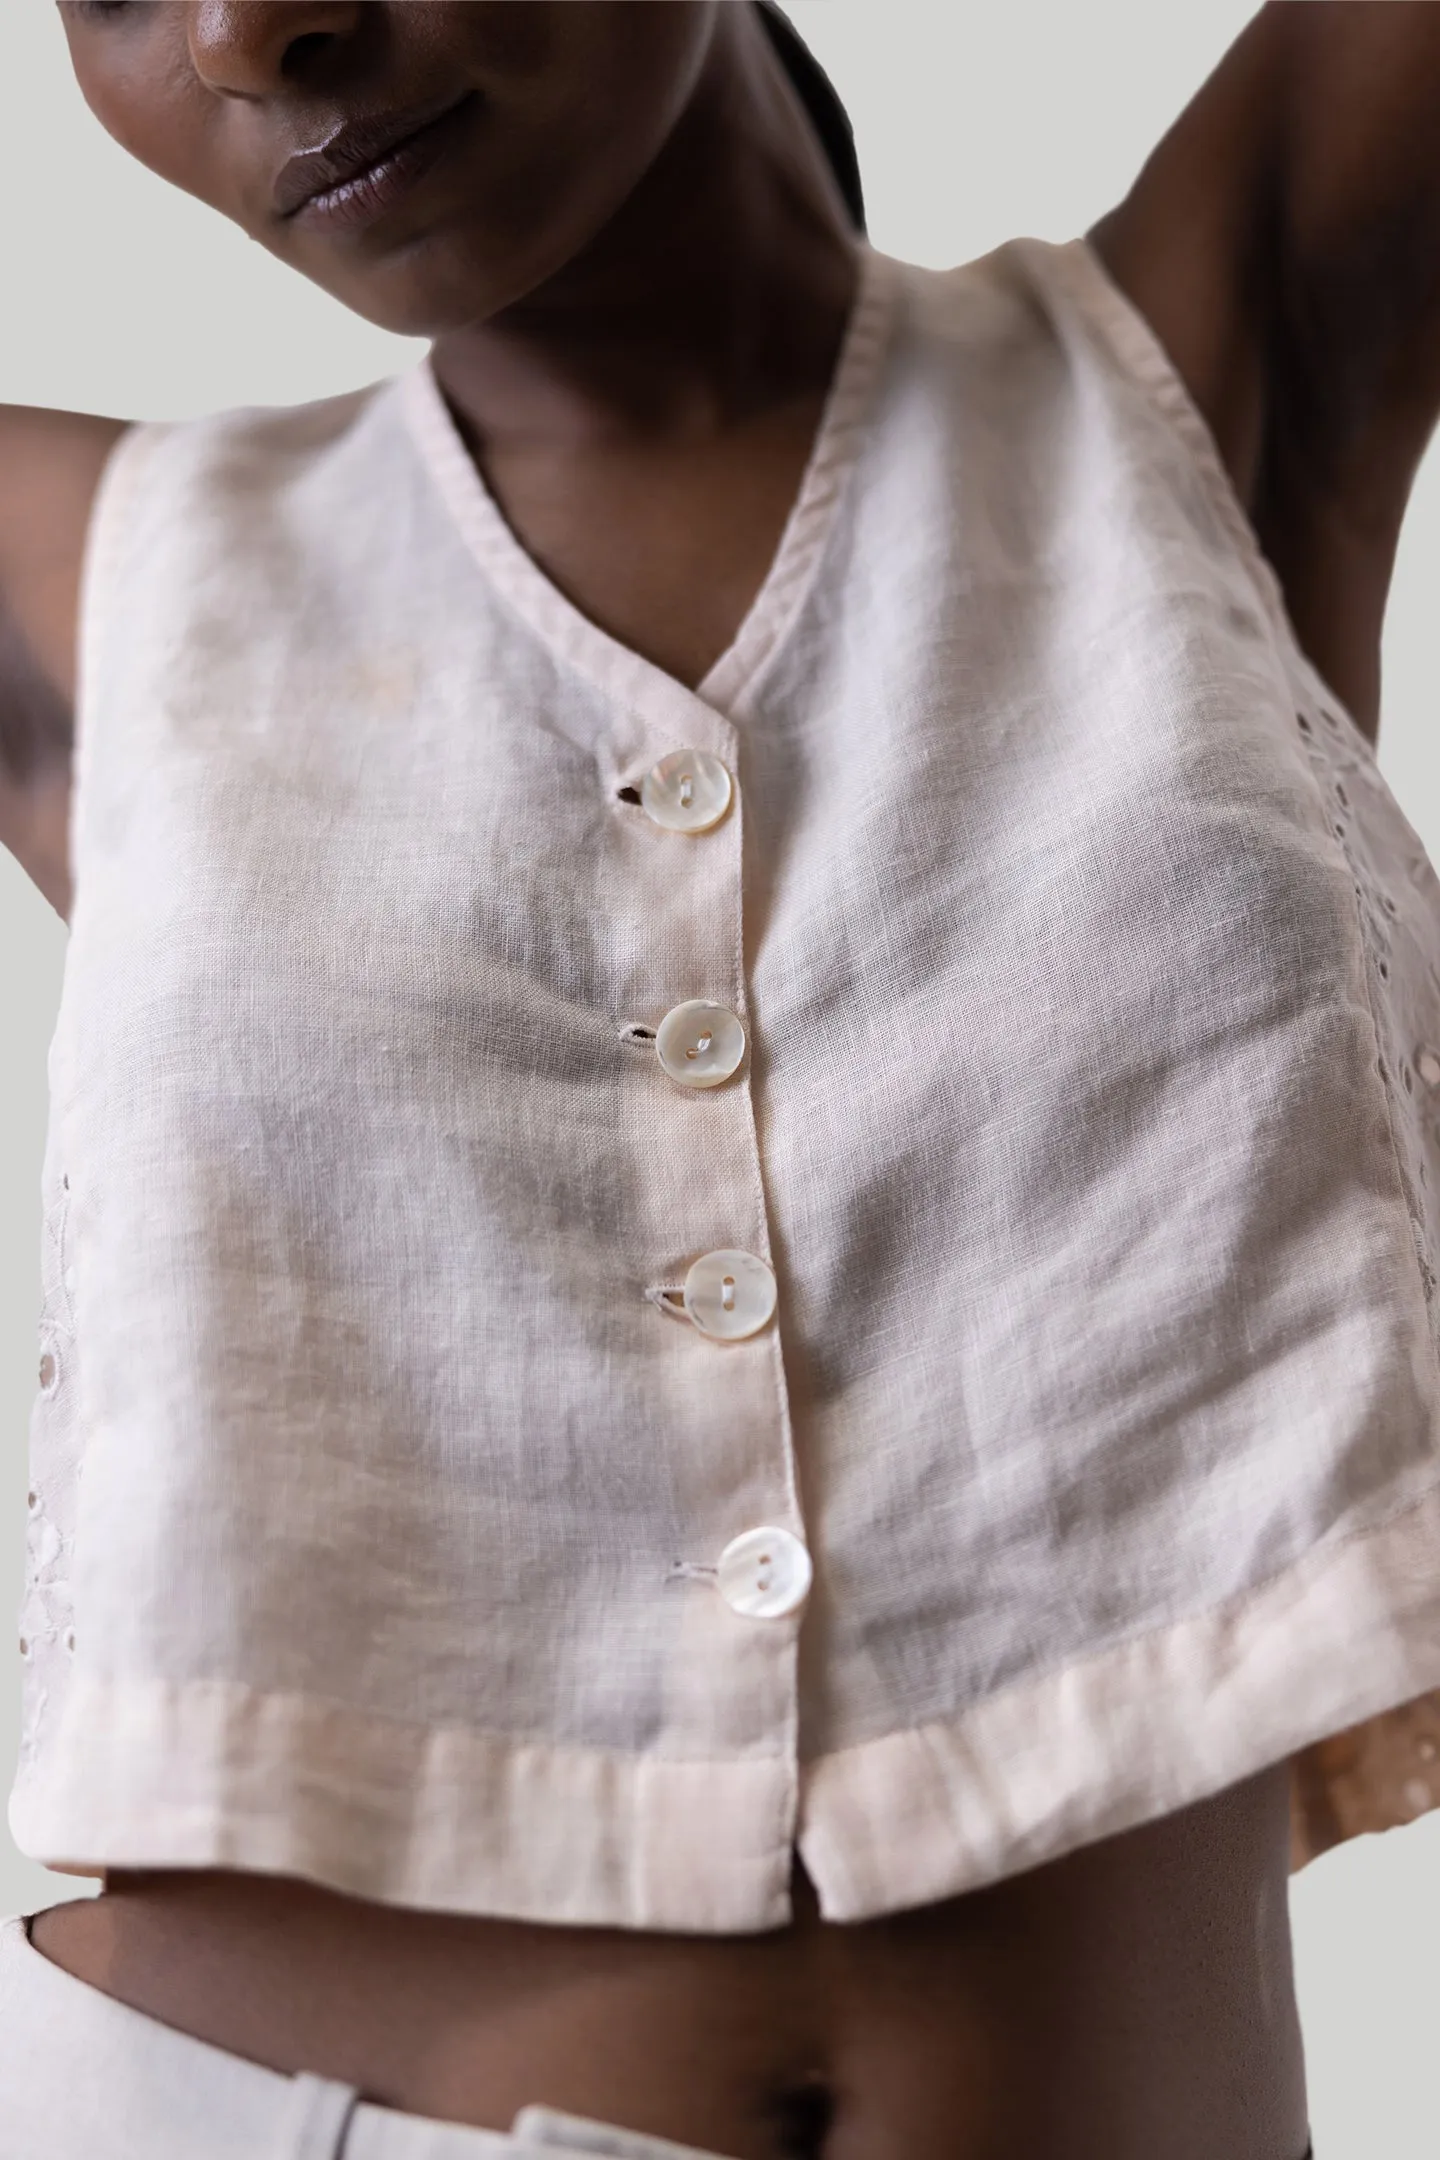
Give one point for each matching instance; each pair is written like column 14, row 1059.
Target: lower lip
column 382, row 185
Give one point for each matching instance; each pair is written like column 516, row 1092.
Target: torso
column 1132, row 2001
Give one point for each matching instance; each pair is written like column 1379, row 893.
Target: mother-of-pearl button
column 729, row 1294
column 688, row 791
column 764, row 1573
column 700, row 1043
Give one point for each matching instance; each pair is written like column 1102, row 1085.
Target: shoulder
column 52, row 465
column 254, row 446
column 84, row 497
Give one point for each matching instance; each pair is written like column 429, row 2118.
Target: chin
column 430, row 285
column 460, row 270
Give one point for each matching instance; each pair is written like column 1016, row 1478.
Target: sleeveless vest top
column 639, row 1280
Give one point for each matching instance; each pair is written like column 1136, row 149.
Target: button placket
column 728, row 1294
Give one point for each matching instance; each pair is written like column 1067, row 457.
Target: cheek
column 144, row 93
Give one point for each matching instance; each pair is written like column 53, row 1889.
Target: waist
column 1134, row 1998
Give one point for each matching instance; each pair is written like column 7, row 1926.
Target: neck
column 719, row 287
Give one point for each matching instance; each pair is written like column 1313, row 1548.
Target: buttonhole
column 1341, row 797
column 1302, row 723
column 65, row 1181
column 628, row 794
column 1383, row 970
column 635, row 1032
column 670, row 1299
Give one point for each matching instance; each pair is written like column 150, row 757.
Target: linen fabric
column 84, row 2077
column 1088, row 1119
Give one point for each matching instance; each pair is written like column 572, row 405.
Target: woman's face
column 427, row 161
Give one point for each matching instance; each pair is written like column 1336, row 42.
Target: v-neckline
column 616, row 668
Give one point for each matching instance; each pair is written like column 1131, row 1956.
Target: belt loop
column 316, row 2118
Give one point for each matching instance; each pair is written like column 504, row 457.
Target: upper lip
column 351, row 148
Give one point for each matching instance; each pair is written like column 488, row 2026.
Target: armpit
column 36, row 719
column 36, row 740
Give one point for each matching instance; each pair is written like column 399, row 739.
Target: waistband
column 83, row 2077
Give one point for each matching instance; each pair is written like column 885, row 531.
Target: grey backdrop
column 973, row 124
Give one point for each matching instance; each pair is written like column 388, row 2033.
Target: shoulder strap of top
column 1075, row 281
column 1074, row 272
column 97, row 604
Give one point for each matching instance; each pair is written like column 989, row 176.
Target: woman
column 498, row 1285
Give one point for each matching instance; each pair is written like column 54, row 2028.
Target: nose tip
column 251, row 48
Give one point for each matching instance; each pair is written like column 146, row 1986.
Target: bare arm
column 1284, row 243
column 50, row 463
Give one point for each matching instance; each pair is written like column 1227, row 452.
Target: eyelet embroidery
column 1364, row 820
column 46, row 1629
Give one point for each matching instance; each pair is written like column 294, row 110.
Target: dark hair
column 817, row 94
